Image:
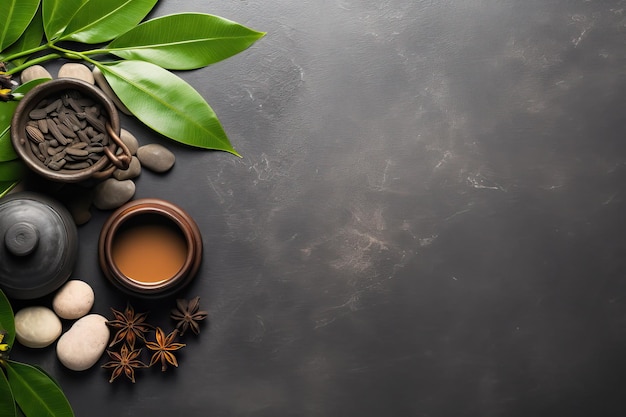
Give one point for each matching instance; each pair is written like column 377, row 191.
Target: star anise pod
column 124, row 362
column 188, row 315
column 130, row 325
column 163, row 348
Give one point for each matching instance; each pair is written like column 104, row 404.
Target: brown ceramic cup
column 150, row 211
column 111, row 159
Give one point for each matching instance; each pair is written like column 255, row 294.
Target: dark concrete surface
column 427, row 219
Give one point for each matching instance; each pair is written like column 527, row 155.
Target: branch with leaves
column 136, row 58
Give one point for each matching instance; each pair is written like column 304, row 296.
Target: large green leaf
column 30, row 39
column 6, row 148
column 57, row 14
column 12, row 170
column 167, row 104
column 7, row 402
column 184, row 41
column 100, row 21
column 15, row 15
column 7, row 153
column 35, row 393
column 7, row 320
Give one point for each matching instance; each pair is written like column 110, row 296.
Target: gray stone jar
column 38, row 245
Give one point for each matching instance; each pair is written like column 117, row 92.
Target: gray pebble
column 37, row 326
column 83, row 344
column 130, row 141
column 133, row 171
column 79, row 206
column 111, row 193
column 106, row 89
column 34, row 73
column 78, row 71
column 156, row 157
column 73, row 300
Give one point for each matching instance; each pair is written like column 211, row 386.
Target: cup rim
column 150, row 206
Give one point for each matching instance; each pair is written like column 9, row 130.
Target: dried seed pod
column 57, row 165
column 95, row 122
column 42, row 125
column 74, row 104
column 54, row 106
column 43, row 148
column 34, row 134
column 75, row 152
column 54, row 130
column 54, row 150
column 38, row 114
column 78, row 145
column 66, row 131
column 57, row 157
column 82, row 135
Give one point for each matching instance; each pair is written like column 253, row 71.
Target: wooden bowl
column 51, row 90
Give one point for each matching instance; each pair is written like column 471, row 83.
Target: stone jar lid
column 38, row 245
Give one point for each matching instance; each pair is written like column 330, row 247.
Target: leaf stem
column 27, row 52
column 35, row 61
column 97, row 52
column 68, row 53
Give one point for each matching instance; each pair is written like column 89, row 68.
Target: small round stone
column 73, row 300
column 79, row 205
column 37, row 326
column 133, row 171
column 130, row 141
column 83, row 344
column 156, row 157
column 78, row 71
column 34, row 73
column 106, row 89
column 112, row 193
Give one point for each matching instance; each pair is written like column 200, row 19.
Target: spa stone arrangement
column 164, row 239
column 65, row 134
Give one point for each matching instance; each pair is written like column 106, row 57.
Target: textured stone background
column 427, row 220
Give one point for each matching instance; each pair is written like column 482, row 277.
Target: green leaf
column 12, row 170
column 6, row 320
column 167, row 104
column 6, row 186
column 48, row 375
column 7, row 408
column 184, row 41
column 57, row 14
column 101, row 21
column 15, row 15
column 30, row 39
column 7, row 153
column 35, row 393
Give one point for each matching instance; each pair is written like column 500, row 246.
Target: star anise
column 131, row 326
column 163, row 348
column 124, row 362
column 187, row 314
